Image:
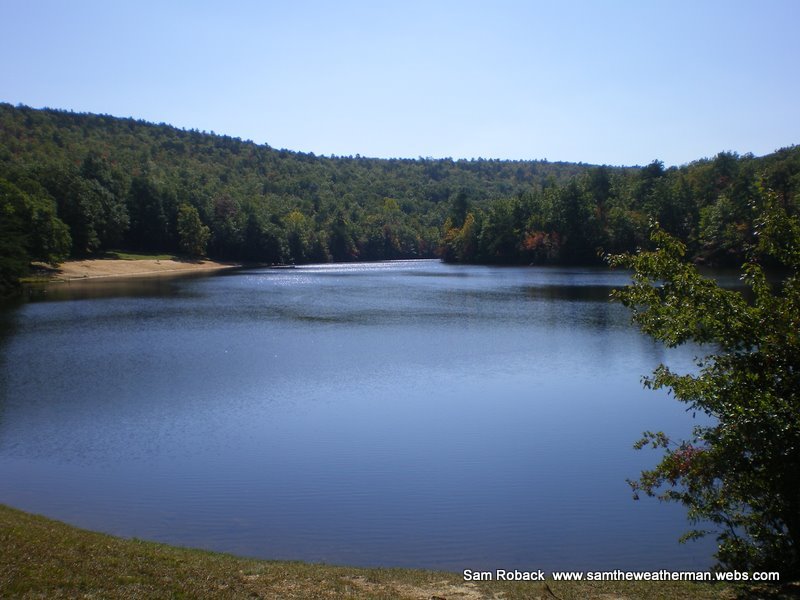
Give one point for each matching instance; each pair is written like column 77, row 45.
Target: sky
column 601, row 82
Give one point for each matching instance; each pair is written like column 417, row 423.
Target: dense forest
column 77, row 185
column 712, row 205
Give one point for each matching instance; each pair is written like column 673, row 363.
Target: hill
column 78, row 185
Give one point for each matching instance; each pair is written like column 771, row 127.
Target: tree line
column 80, row 185
column 711, row 205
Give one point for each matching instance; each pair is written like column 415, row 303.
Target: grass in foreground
column 41, row 558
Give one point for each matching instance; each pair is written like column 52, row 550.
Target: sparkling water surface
column 405, row 413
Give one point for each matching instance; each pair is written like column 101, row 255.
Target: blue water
column 398, row 414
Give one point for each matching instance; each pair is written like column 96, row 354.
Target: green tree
column 191, row 231
column 739, row 477
column 340, row 239
column 724, row 232
column 461, row 243
column 460, row 206
column 297, row 236
column 499, row 236
column 29, row 230
column 576, row 222
column 264, row 241
column 14, row 256
column 228, row 224
column 112, row 220
column 148, row 207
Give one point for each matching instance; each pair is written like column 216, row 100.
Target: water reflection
column 398, row 414
column 156, row 286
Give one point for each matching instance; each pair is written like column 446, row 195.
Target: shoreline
column 107, row 268
column 42, row 557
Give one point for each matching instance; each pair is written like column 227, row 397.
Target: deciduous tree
column 739, row 477
column 193, row 234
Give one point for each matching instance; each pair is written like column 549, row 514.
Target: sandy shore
column 101, row 267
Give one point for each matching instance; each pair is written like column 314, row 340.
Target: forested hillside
column 121, row 183
column 76, row 185
column 713, row 205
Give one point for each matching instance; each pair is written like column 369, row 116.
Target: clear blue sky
column 597, row 82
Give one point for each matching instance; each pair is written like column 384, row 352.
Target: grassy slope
column 41, row 558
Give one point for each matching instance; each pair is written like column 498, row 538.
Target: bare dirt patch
column 439, row 590
column 101, row 267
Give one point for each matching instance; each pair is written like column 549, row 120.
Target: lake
column 406, row 413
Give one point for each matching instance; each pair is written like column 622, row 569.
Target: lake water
column 399, row 414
